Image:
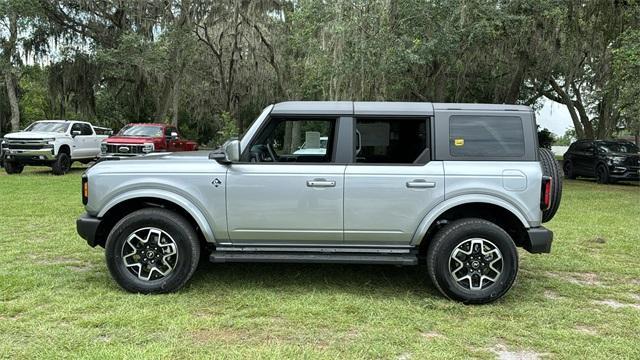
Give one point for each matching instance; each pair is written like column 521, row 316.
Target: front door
column 393, row 183
column 288, row 188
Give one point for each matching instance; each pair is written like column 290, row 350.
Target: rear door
column 392, row 183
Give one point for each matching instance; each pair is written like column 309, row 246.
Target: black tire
column 12, row 167
column 550, row 168
column 602, row 175
column 62, row 165
column 457, row 233
column 181, row 232
column 568, row 170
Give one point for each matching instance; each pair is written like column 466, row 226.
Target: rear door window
column 391, row 141
column 486, row 136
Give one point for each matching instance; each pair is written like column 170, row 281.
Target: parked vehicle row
column 54, row 143
column 455, row 186
column 59, row 143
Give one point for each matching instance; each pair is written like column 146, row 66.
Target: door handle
column 420, row 184
column 320, row 183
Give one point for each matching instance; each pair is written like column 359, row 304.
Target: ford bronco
column 455, row 186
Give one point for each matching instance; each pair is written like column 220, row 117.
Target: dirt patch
column 103, row 338
column 616, row 304
column 58, row 260
column 430, row 335
column 204, row 336
column 583, row 279
column 598, row 240
column 552, row 295
column 587, row 330
column 503, row 353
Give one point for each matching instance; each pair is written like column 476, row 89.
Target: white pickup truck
column 54, row 143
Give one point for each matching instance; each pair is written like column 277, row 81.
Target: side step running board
column 314, row 257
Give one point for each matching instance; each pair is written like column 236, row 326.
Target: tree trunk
column 10, row 82
column 572, row 110
column 176, row 101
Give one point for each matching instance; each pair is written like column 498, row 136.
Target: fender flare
column 62, row 142
column 448, row 204
column 179, row 200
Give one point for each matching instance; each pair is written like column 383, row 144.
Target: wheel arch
column 64, row 148
column 496, row 210
column 125, row 204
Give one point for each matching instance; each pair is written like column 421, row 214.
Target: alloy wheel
column 150, row 253
column 476, row 264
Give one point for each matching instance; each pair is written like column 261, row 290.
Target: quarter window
column 391, row 141
column 486, row 136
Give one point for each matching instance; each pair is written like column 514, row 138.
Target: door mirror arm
column 228, row 153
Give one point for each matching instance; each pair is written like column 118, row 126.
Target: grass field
column 58, row 300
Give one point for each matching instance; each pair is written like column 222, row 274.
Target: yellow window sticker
column 458, row 142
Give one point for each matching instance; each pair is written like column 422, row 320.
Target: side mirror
column 174, row 135
column 75, row 133
column 228, row 153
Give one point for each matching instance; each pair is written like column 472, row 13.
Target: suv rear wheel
column 567, row 167
column 473, row 261
column 152, row 250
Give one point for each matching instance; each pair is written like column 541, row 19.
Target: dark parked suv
column 606, row 160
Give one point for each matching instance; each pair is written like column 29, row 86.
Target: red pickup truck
column 140, row 139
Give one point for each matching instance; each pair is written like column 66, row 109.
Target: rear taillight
column 545, row 195
column 85, row 189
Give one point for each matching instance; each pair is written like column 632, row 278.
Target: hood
column 157, row 163
column 631, row 155
column 130, row 140
column 33, row 135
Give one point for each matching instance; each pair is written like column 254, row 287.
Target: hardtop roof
column 369, row 108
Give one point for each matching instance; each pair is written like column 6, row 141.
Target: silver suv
column 455, row 186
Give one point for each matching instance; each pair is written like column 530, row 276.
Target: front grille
column 120, row 149
column 28, row 147
column 10, row 142
column 26, row 144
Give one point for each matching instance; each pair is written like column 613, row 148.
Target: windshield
column 617, row 147
column 48, row 126
column 141, row 130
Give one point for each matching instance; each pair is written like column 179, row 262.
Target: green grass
column 58, row 300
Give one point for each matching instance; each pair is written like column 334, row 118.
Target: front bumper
column 45, row 154
column 87, row 227
column 538, row 240
column 624, row 172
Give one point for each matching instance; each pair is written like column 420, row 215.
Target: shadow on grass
column 593, row 181
column 369, row 280
column 46, row 171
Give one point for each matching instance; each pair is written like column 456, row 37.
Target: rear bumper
column 87, row 227
column 539, row 240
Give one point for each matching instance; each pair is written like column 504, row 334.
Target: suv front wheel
column 152, row 250
column 473, row 261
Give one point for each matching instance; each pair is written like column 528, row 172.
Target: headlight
column 618, row 159
column 103, row 148
column 148, row 147
column 49, row 140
